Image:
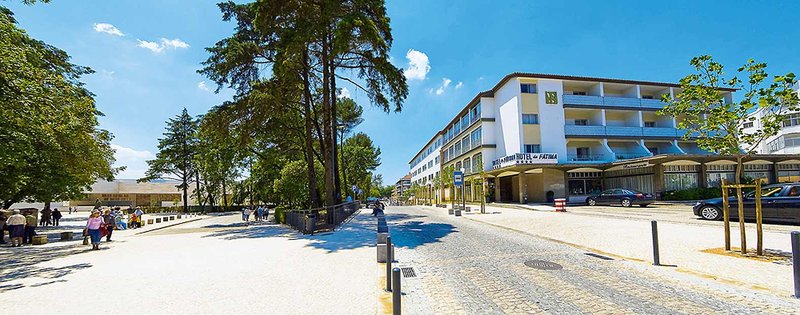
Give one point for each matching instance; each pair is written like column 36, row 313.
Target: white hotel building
column 548, row 136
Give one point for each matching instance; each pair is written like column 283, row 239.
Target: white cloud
column 107, row 74
column 344, row 93
column 418, row 65
column 108, row 29
column 153, row 46
column 163, row 45
column 173, row 43
column 202, row 85
column 135, row 161
column 459, row 85
column 445, row 83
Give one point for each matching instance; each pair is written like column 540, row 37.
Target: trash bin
column 550, row 196
column 311, row 223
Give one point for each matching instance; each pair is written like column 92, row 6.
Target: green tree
column 50, row 145
column 292, row 192
column 719, row 124
column 175, row 159
column 361, row 160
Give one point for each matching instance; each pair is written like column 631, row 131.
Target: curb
column 166, row 226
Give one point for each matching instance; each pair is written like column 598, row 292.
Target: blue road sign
column 458, row 178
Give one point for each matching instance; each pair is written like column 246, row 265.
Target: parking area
column 665, row 212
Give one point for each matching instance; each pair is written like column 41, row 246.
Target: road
column 464, row 266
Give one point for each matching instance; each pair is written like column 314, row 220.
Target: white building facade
column 535, row 137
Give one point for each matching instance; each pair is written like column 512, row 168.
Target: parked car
column 621, row 196
column 779, row 202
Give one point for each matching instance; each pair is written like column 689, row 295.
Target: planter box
column 39, row 239
column 149, row 221
column 66, row 236
column 158, row 220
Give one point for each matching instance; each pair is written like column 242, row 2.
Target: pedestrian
column 30, row 228
column 56, row 216
column 244, row 214
column 108, row 223
column 139, row 213
column 16, row 228
column 266, row 213
column 93, row 225
column 260, row 213
column 3, row 227
column 69, row 210
column 45, row 220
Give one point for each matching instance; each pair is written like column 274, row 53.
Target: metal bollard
column 388, row 267
column 389, row 249
column 656, row 259
column 396, row 291
column 796, row 262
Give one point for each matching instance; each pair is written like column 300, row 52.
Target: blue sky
column 146, row 54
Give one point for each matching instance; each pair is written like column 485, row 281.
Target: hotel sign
column 525, row 159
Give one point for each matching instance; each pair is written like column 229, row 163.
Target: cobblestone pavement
column 467, row 267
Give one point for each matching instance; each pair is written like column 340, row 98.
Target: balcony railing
column 626, row 156
column 621, row 131
column 585, row 157
column 613, row 101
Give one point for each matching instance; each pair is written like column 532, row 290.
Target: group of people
column 21, row 228
column 261, row 213
column 50, row 217
column 102, row 224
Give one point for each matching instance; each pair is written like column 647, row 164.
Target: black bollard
column 396, row 291
column 388, row 265
column 796, row 262
column 656, row 259
column 389, row 251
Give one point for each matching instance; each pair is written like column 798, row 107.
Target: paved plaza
column 217, row 265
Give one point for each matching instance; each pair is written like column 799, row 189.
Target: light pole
column 463, row 187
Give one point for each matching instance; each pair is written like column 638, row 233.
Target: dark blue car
column 779, row 202
column 621, row 196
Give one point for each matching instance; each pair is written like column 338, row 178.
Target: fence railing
column 309, row 221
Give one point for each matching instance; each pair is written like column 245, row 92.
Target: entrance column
column 703, row 182
column 497, row 189
column 523, row 188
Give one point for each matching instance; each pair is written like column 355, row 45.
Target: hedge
column 693, row 194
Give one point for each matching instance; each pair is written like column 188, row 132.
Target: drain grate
column 408, row 272
column 598, row 256
column 543, row 265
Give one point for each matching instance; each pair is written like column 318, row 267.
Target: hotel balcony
column 620, row 131
column 613, row 102
column 585, row 158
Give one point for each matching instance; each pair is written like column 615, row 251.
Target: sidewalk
column 680, row 244
column 216, row 265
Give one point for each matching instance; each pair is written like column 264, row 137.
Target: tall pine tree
column 176, row 152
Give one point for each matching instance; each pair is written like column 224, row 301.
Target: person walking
column 139, row 213
column 16, row 228
column 93, row 225
column 45, row 220
column 260, row 213
column 3, row 228
column 244, row 214
column 30, row 228
column 108, row 223
column 56, row 216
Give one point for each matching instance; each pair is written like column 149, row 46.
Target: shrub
column 280, row 215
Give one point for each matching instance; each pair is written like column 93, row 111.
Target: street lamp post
column 463, row 185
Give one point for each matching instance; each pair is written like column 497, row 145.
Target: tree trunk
column 224, row 194
column 335, row 115
column 185, row 196
column 740, row 204
column 327, row 122
column 309, row 145
column 197, row 187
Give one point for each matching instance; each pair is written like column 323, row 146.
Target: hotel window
column 475, row 112
column 476, row 137
column 530, row 119
column 465, row 122
column 527, row 88
column 436, row 160
column 467, row 166
column 456, row 129
column 477, row 162
column 533, row 148
column 457, row 150
column 792, row 120
column 581, row 122
column 791, row 141
column 582, row 153
column 649, row 124
column 748, row 124
column 465, row 144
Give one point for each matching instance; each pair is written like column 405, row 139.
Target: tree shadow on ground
column 360, row 231
column 20, row 263
column 409, row 232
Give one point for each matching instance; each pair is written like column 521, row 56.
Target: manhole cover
column 408, row 272
column 542, row 265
